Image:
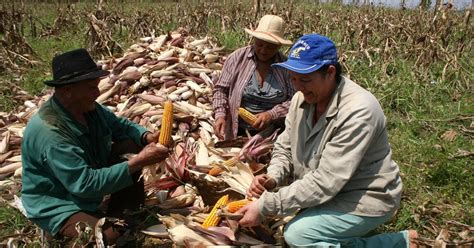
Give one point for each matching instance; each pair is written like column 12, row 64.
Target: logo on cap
column 296, row 52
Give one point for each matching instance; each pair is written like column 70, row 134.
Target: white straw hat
column 270, row 29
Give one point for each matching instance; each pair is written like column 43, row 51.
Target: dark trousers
column 128, row 198
column 276, row 124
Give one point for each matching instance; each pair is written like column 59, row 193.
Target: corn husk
column 4, row 144
column 10, row 168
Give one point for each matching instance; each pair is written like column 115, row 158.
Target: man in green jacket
column 71, row 149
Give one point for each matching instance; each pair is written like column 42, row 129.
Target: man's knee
column 292, row 233
column 297, row 232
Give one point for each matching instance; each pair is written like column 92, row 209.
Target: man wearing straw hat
column 70, row 153
column 249, row 81
column 336, row 156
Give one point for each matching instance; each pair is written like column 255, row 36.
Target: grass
column 422, row 101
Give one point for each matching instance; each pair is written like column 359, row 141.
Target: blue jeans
column 323, row 228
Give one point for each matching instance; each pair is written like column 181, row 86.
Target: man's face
column 83, row 94
column 265, row 50
column 316, row 86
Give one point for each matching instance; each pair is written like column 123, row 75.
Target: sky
column 458, row 4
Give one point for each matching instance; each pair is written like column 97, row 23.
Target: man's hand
column 259, row 184
column 262, row 121
column 251, row 215
column 219, row 127
column 152, row 137
column 150, row 154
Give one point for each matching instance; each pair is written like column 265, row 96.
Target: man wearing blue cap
column 70, row 154
column 335, row 155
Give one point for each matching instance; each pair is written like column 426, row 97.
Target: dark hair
column 324, row 70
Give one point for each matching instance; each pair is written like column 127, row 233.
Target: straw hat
column 270, row 29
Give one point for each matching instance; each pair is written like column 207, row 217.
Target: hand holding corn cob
column 150, row 154
column 151, row 137
column 258, row 121
column 251, row 215
column 262, row 120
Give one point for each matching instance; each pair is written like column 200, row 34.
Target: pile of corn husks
column 180, row 68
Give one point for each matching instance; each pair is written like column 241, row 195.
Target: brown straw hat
column 270, row 29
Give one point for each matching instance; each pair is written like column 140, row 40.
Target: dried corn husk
column 10, row 168
column 109, row 93
column 4, row 156
column 152, row 99
column 202, row 155
column 4, row 144
column 157, row 231
column 179, row 232
column 158, row 42
column 17, row 129
column 18, row 172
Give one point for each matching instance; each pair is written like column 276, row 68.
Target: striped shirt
column 237, row 71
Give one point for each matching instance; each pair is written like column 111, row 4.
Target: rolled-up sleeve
column 339, row 160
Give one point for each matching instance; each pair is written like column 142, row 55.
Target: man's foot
column 412, row 237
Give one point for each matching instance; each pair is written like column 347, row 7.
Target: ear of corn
column 215, row 171
column 166, row 124
column 231, row 162
column 212, row 219
column 234, row 206
column 247, row 116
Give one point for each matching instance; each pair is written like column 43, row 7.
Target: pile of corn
column 165, row 84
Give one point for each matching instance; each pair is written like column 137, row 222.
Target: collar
column 66, row 116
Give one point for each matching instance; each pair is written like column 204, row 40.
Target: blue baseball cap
column 309, row 53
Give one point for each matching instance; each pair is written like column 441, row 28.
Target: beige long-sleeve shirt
column 343, row 163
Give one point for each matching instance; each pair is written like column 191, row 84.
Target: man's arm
column 68, row 165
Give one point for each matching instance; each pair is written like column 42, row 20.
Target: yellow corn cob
column 231, row 162
column 234, row 206
column 166, row 124
column 247, row 116
column 215, row 171
column 212, row 219
column 228, row 163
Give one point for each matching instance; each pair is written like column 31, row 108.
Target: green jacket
column 66, row 165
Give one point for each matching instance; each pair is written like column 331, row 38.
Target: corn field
column 165, row 57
